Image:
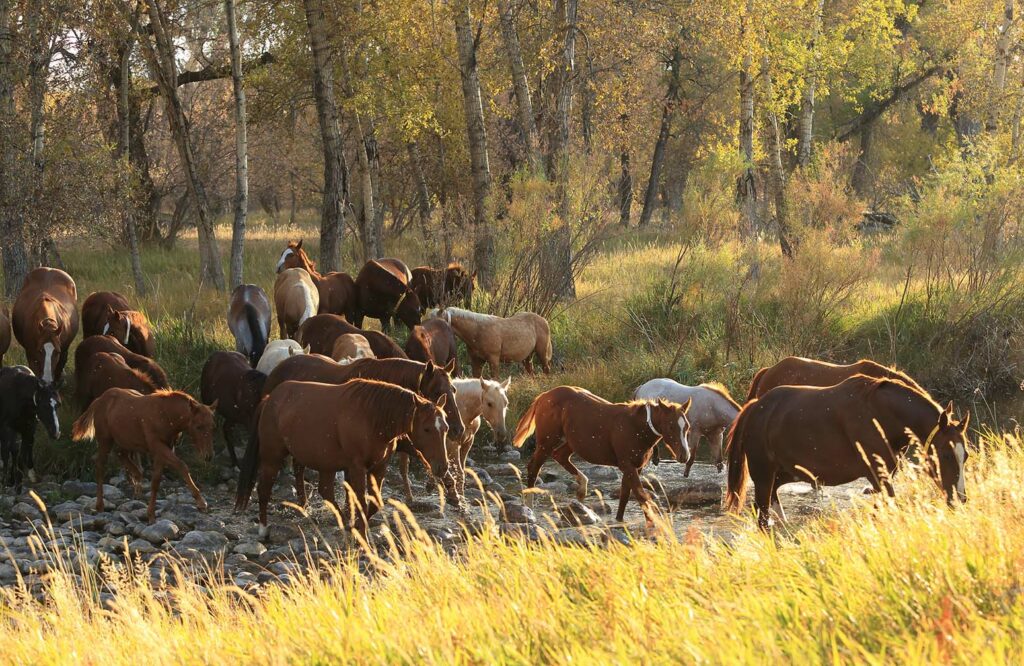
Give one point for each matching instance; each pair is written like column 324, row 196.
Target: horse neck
column 308, row 266
column 916, row 413
column 179, row 409
column 470, row 401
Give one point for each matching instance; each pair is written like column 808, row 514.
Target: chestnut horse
column 384, row 292
column 337, row 290
column 433, row 340
column 105, row 370
column 295, row 299
column 96, row 344
column 351, row 347
column 230, row 383
column 109, row 313
column 515, row 339
column 26, row 400
column 570, row 420
column 838, row 434
column 129, row 422
column 711, row 413
column 321, row 331
column 45, row 320
column 5, row 331
column 249, row 321
column 437, row 287
column 356, row 429
column 798, row 371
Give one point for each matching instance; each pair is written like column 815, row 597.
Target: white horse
column 478, row 400
column 277, row 351
column 712, row 411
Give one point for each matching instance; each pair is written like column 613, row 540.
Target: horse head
column 409, row 308
column 428, row 435
column 436, row 383
column 946, row 453
column 46, row 400
column 291, row 257
column 200, row 427
column 494, row 407
column 669, row 421
column 49, row 346
column 119, row 325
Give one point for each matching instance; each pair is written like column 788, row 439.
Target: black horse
column 24, row 399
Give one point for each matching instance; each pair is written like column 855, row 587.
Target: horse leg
column 715, row 442
column 133, row 470
column 268, row 473
column 562, row 456
column 356, row 480
column 300, row 482
column 631, row 476
column 229, row 443
column 154, row 488
column 102, row 451
column 764, row 489
column 494, row 364
column 527, row 365
column 176, row 463
column 376, row 486
column 692, row 439
column 403, row 465
column 28, row 436
column 624, row 492
column 9, row 452
column 776, row 504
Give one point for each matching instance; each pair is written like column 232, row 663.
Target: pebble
column 518, row 513
column 159, row 532
column 576, row 513
column 695, row 493
column 250, row 548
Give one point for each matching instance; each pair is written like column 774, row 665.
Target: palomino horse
column 570, row 420
column 321, row 331
column 295, row 299
column 437, row 287
column 276, row 352
column 45, row 320
column 96, row 344
column 384, row 292
column 711, row 412
column 105, row 370
column 229, row 382
column 433, row 340
column 337, row 290
column 798, row 371
column 351, row 347
column 26, row 400
column 478, row 399
column 109, row 313
column 129, row 422
column 427, row 379
column 491, row 339
column 838, row 434
column 249, row 321
column 5, row 331
column 356, row 430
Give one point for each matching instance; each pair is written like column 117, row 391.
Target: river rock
column 25, row 511
column 65, row 511
column 423, row 506
column 518, row 513
column 75, row 488
column 576, row 513
column 160, row 531
column 250, row 548
column 695, row 493
column 481, row 473
column 204, row 540
column 527, row 531
column 141, row 547
column 512, row 455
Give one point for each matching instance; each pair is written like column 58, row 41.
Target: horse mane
column 172, row 393
column 456, row 266
column 722, row 391
column 469, row 314
column 874, row 384
column 382, row 403
column 307, row 263
column 893, row 373
column 138, row 374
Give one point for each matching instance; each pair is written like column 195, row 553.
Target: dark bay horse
column 230, row 383
column 338, row 294
column 105, row 370
column 321, row 332
column 570, row 420
column 433, row 340
column 356, row 430
column 109, row 313
column 441, row 287
column 384, row 292
column 24, row 400
column 97, row 344
column 5, row 331
column 249, row 316
column 45, row 320
column 129, row 422
column 838, row 434
column 799, row 371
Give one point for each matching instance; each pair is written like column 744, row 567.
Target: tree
column 668, row 111
column 241, row 148
column 520, row 85
column 805, row 133
column 124, row 152
column 746, row 190
column 12, row 221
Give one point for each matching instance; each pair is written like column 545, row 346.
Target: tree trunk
column 746, row 191
column 12, row 221
column 861, row 179
column 335, row 197
column 625, row 190
column 426, row 205
column 241, row 149
column 805, row 133
column 368, row 217
column 668, row 111
column 1002, row 64
column 778, row 176
column 483, row 250
column 38, row 71
column 130, row 231
column 520, row 85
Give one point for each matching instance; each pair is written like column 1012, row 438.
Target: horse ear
column 442, row 401
column 949, row 408
column 966, row 422
column 449, row 367
column 213, row 407
column 505, row 384
column 686, row 405
column 298, row 246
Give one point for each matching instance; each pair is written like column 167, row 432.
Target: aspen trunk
column 520, row 85
column 130, row 230
column 746, row 192
column 805, row 131
column 668, row 110
column 241, row 149
column 778, row 176
column 12, row 221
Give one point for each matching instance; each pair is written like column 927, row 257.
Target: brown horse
column 295, row 299
column 350, row 347
column 427, row 379
column 109, row 313
column 45, row 320
column 433, row 340
column 320, row 332
column 96, row 344
column 356, row 430
column 838, row 434
column 384, row 292
column 130, row 422
column 249, row 321
column 437, row 287
column 798, row 371
column 235, row 388
column 337, row 290
column 5, row 331
column 570, row 420
column 492, row 339
column 105, row 370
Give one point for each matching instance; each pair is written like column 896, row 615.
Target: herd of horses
column 334, row 397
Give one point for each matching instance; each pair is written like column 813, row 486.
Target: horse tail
column 526, row 426
column 739, row 473
column 256, row 332
column 250, row 462
column 84, row 426
column 754, row 383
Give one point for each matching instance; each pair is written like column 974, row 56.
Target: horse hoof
column 719, row 466
column 686, row 473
